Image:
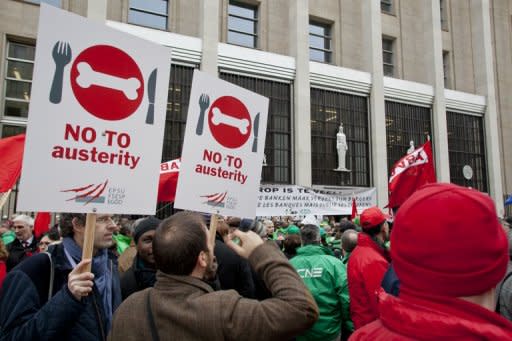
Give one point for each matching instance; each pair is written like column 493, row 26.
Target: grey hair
column 23, row 218
column 310, row 234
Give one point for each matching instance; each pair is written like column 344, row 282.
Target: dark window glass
column 278, row 151
column 328, row 110
column 319, row 42
column 18, row 79
column 150, row 13
column 444, row 15
column 405, row 123
column 386, row 6
column 446, row 69
column 242, row 24
column 9, row 130
column 466, row 147
column 388, row 57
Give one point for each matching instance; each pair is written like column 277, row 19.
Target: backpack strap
column 152, row 325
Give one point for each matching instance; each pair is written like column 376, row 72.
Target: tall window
column 150, row 13
column 405, row 123
column 278, row 151
column 18, row 79
column 386, row 6
column 328, row 110
column 242, row 24
column 320, row 42
column 388, row 58
column 444, row 15
column 446, row 69
column 466, row 147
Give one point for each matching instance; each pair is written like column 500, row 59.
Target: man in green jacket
column 326, row 278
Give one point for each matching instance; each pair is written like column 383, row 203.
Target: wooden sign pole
column 213, row 228
column 90, row 228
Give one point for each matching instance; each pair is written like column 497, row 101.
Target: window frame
column 327, row 38
column 390, row 52
column 7, row 79
column 254, row 21
column 388, row 4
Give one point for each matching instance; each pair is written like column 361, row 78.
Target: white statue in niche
column 411, row 148
column 342, row 147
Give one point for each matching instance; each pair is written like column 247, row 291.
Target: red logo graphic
column 89, row 193
column 107, row 82
column 216, row 199
column 229, row 122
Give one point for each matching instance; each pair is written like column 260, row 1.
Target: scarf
column 100, row 269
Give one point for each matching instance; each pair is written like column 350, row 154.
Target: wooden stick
column 214, row 220
column 90, row 228
column 4, row 197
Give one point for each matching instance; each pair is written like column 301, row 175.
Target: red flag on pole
column 409, row 173
column 41, row 223
column 169, row 172
column 354, row 209
column 11, row 157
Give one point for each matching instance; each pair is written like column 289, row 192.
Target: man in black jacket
column 78, row 305
column 25, row 244
column 142, row 273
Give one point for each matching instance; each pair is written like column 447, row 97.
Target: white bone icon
column 87, row 77
column 219, row 117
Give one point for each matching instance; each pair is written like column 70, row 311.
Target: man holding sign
column 54, row 299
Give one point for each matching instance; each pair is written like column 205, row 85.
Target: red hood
column 441, row 318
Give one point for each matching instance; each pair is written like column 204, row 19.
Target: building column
column 372, row 37
column 434, row 59
column 299, row 48
column 210, row 24
column 484, row 82
column 97, row 10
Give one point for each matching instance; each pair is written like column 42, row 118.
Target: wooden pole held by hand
column 90, row 228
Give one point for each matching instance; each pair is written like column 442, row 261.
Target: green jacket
column 326, row 278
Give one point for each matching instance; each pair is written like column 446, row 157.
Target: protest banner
column 96, row 119
column 169, row 172
column 282, row 200
column 223, row 148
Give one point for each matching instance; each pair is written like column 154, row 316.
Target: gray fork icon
column 61, row 56
column 204, row 103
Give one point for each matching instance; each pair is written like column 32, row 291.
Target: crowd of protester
column 432, row 271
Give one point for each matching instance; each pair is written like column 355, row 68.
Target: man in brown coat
column 181, row 306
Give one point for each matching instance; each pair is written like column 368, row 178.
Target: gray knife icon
column 256, row 127
column 150, row 117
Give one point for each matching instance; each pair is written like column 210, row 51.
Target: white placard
column 283, row 200
column 96, row 119
column 223, row 148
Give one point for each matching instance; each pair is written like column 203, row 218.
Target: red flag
column 41, row 223
column 11, row 156
column 409, row 173
column 169, row 172
column 354, row 209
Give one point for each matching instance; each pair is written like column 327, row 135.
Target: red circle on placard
column 105, row 100
column 225, row 131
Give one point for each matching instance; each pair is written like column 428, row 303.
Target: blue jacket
column 27, row 314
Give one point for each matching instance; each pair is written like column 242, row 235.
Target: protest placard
column 96, row 119
column 282, row 200
column 223, row 148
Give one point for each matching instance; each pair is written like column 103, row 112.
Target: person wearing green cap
column 326, row 278
column 292, row 229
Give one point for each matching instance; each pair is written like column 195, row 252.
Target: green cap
column 292, row 229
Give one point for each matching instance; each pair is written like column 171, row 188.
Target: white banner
column 282, row 200
column 96, row 120
column 223, row 148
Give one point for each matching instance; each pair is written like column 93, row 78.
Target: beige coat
column 186, row 308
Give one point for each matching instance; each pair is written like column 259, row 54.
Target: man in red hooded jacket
column 449, row 252
column 366, row 267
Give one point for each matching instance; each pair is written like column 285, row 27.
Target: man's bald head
column 349, row 240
